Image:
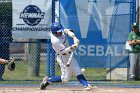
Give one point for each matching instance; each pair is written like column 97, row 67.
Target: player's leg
column 80, row 77
column 65, row 71
column 132, row 57
column 46, row 81
column 77, row 71
column 64, row 77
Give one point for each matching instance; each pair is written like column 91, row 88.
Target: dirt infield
column 53, row 89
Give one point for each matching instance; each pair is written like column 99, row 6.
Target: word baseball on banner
column 31, row 19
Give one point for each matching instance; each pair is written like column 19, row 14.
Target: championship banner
column 31, row 18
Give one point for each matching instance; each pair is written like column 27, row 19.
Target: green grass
column 129, row 82
column 22, row 72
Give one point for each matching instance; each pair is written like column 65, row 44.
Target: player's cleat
column 44, row 83
column 89, row 87
column 94, row 87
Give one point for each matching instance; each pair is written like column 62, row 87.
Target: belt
column 64, row 53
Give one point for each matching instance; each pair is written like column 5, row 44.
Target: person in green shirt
column 134, row 53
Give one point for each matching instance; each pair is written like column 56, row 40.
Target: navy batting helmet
column 56, row 27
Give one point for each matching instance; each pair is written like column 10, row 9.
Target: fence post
column 48, row 58
column 52, row 51
column 134, row 10
column 5, row 33
column 34, row 58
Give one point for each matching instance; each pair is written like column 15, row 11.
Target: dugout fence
column 35, row 58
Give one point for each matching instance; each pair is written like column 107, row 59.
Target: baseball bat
column 70, row 59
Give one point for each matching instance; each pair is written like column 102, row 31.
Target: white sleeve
column 56, row 44
column 70, row 33
column 60, row 48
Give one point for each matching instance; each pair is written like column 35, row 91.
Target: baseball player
column 134, row 54
column 64, row 52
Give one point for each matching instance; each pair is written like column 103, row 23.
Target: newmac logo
column 32, row 15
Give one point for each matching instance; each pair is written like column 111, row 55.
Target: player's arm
column 70, row 33
column 3, row 61
column 68, row 49
column 62, row 49
column 132, row 42
column 10, row 63
column 138, row 41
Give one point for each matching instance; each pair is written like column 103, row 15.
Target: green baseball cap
column 135, row 25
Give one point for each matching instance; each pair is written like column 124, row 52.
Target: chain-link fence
column 31, row 55
column 98, row 24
